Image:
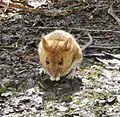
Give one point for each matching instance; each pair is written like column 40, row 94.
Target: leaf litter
column 26, row 90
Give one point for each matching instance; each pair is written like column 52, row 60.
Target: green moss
column 118, row 92
column 15, row 92
column 97, row 113
column 93, row 75
column 102, row 95
column 56, row 111
column 71, row 97
column 97, row 95
column 51, row 99
column 2, row 90
column 77, row 102
column 8, row 84
column 71, row 110
column 64, row 97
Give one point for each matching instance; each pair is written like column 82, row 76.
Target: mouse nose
column 54, row 73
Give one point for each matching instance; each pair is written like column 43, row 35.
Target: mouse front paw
column 54, row 79
column 72, row 75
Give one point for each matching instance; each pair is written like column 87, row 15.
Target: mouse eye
column 60, row 62
column 47, row 62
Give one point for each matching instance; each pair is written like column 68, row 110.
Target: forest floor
column 25, row 91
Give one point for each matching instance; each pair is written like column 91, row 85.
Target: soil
column 22, row 77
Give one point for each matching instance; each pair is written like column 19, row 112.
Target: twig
column 97, row 37
column 42, row 86
column 13, row 5
column 75, row 7
column 8, row 3
column 9, row 46
column 101, row 60
column 74, row 29
column 112, row 55
column 112, row 13
column 103, row 55
column 7, row 52
column 22, row 2
column 94, row 55
column 114, row 64
column 102, row 47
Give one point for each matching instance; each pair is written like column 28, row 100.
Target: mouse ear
column 67, row 45
column 45, row 44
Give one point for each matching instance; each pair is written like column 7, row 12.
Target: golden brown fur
column 58, row 52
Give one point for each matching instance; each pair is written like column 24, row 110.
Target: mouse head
column 56, row 56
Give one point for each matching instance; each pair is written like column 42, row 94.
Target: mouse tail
column 89, row 43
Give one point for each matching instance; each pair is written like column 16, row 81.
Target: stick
column 112, row 55
column 112, row 13
column 97, row 37
column 103, row 55
column 9, row 46
column 100, row 47
column 74, row 29
column 7, row 6
column 94, row 55
column 100, row 60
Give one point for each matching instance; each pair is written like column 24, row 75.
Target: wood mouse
column 59, row 53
